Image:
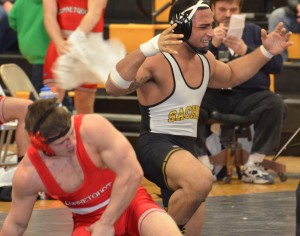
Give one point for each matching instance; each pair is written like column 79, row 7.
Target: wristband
column 266, row 52
column 150, row 48
column 117, row 79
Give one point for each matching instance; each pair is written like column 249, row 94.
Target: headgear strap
column 42, row 119
column 194, row 8
column 184, row 17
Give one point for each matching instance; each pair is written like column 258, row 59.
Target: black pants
column 265, row 108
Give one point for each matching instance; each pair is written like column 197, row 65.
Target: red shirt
column 70, row 14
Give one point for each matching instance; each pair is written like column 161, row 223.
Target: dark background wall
column 128, row 11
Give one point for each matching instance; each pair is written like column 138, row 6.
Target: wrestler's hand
column 98, row 228
column 168, row 38
column 276, row 42
column 162, row 42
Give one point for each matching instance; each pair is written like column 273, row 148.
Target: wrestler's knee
column 200, row 185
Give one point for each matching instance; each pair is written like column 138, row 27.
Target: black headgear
column 184, row 19
column 184, row 24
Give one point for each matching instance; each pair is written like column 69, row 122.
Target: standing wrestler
column 15, row 109
column 79, row 19
column 170, row 86
column 91, row 167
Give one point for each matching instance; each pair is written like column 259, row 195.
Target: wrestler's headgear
column 183, row 18
column 40, row 142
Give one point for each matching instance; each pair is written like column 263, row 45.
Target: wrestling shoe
column 255, row 173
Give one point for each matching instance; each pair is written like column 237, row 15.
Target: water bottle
column 46, row 93
column 54, row 91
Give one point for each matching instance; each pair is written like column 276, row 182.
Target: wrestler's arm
column 134, row 68
column 240, row 70
column 24, row 195
column 52, row 26
column 225, row 75
column 117, row 154
column 95, row 10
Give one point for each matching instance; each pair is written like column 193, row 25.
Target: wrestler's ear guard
column 184, row 25
column 39, row 143
column 184, row 19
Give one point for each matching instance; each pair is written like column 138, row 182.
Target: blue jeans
column 289, row 21
column 8, row 37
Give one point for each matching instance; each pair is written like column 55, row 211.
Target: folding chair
column 15, row 79
column 6, row 131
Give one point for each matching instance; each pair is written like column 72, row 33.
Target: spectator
column 8, row 37
column 252, row 98
column 290, row 16
column 80, row 19
column 26, row 18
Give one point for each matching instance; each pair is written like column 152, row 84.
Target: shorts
column 153, row 152
column 130, row 221
column 48, row 76
column 2, row 120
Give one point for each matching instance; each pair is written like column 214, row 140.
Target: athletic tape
column 266, row 52
column 117, row 79
column 150, row 48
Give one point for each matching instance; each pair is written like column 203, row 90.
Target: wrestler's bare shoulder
column 27, row 177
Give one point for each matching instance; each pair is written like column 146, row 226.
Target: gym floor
column 232, row 209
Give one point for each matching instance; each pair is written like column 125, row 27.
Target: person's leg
column 48, row 77
column 84, row 101
column 269, row 125
column 80, row 231
column 37, row 76
column 267, row 110
column 191, row 182
column 16, row 109
column 3, row 27
column 159, row 223
column 203, row 132
column 173, row 168
column 8, row 37
column 145, row 217
column 194, row 225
